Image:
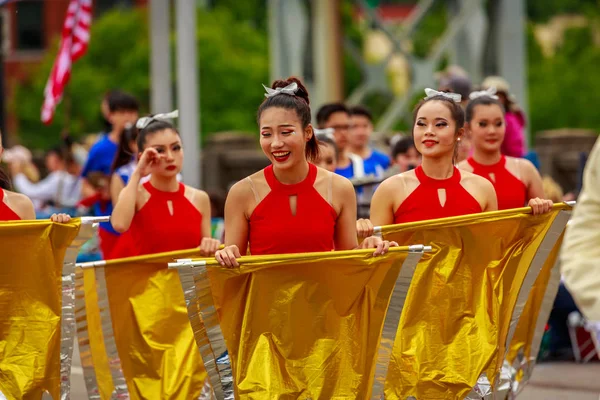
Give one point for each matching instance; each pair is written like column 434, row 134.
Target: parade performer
column 162, row 214
column 516, row 181
column 436, row 188
column 292, row 206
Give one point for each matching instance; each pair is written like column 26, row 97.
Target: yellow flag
column 31, row 264
column 95, row 361
column 149, row 326
column 465, row 298
column 303, row 325
column 527, row 339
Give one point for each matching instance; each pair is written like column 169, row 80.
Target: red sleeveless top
column 6, row 213
column 424, row 203
column 155, row 230
column 275, row 230
column 510, row 190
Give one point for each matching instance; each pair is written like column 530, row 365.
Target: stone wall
column 560, row 152
column 228, row 157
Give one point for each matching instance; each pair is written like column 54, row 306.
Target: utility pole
column 188, row 90
column 161, row 96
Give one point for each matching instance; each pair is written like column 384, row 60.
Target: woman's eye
column 420, row 124
column 265, row 134
column 176, row 148
column 159, row 151
column 287, row 132
column 482, row 124
column 441, row 124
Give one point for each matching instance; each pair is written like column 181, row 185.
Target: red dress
column 424, row 203
column 6, row 213
column 154, row 230
column 275, row 230
column 510, row 190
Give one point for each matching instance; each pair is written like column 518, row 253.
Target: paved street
column 78, row 391
column 564, row 381
column 558, row 381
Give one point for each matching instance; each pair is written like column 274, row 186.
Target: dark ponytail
column 299, row 103
column 124, row 152
column 5, row 182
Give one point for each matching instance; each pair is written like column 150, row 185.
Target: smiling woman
column 162, row 214
column 292, row 206
column 436, row 188
column 516, row 181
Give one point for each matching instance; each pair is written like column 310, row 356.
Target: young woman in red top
column 162, row 214
column 516, row 181
column 436, row 188
column 291, row 206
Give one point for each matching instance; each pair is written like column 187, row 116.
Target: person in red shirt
column 515, row 180
column 162, row 214
column 436, row 188
column 292, row 206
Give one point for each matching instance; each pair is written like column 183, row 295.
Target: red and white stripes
column 73, row 45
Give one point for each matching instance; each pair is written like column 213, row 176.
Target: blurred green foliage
column 232, row 55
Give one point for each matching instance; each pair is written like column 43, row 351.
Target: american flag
column 73, row 45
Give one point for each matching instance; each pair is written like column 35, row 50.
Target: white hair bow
column 145, row 121
column 489, row 92
column 290, row 89
column 455, row 97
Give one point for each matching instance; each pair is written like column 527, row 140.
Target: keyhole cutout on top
column 442, row 196
column 492, row 176
column 170, row 206
column 293, row 204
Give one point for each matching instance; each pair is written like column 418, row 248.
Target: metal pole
column 512, row 50
column 161, row 97
column 187, row 90
column 328, row 51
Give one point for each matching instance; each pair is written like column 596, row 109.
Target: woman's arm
column 535, row 188
column 236, row 225
column 532, row 179
column 208, row 245
column 21, row 205
column 489, row 194
column 345, row 237
column 125, row 207
column 382, row 203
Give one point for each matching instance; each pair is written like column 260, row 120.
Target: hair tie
column 489, row 92
column 455, row 97
column 290, row 89
column 145, row 121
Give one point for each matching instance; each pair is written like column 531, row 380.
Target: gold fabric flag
column 459, row 312
column 527, row 339
column 156, row 347
column 92, row 351
column 31, row 297
column 303, row 325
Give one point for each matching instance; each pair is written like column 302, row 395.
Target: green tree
column 563, row 89
column 233, row 59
